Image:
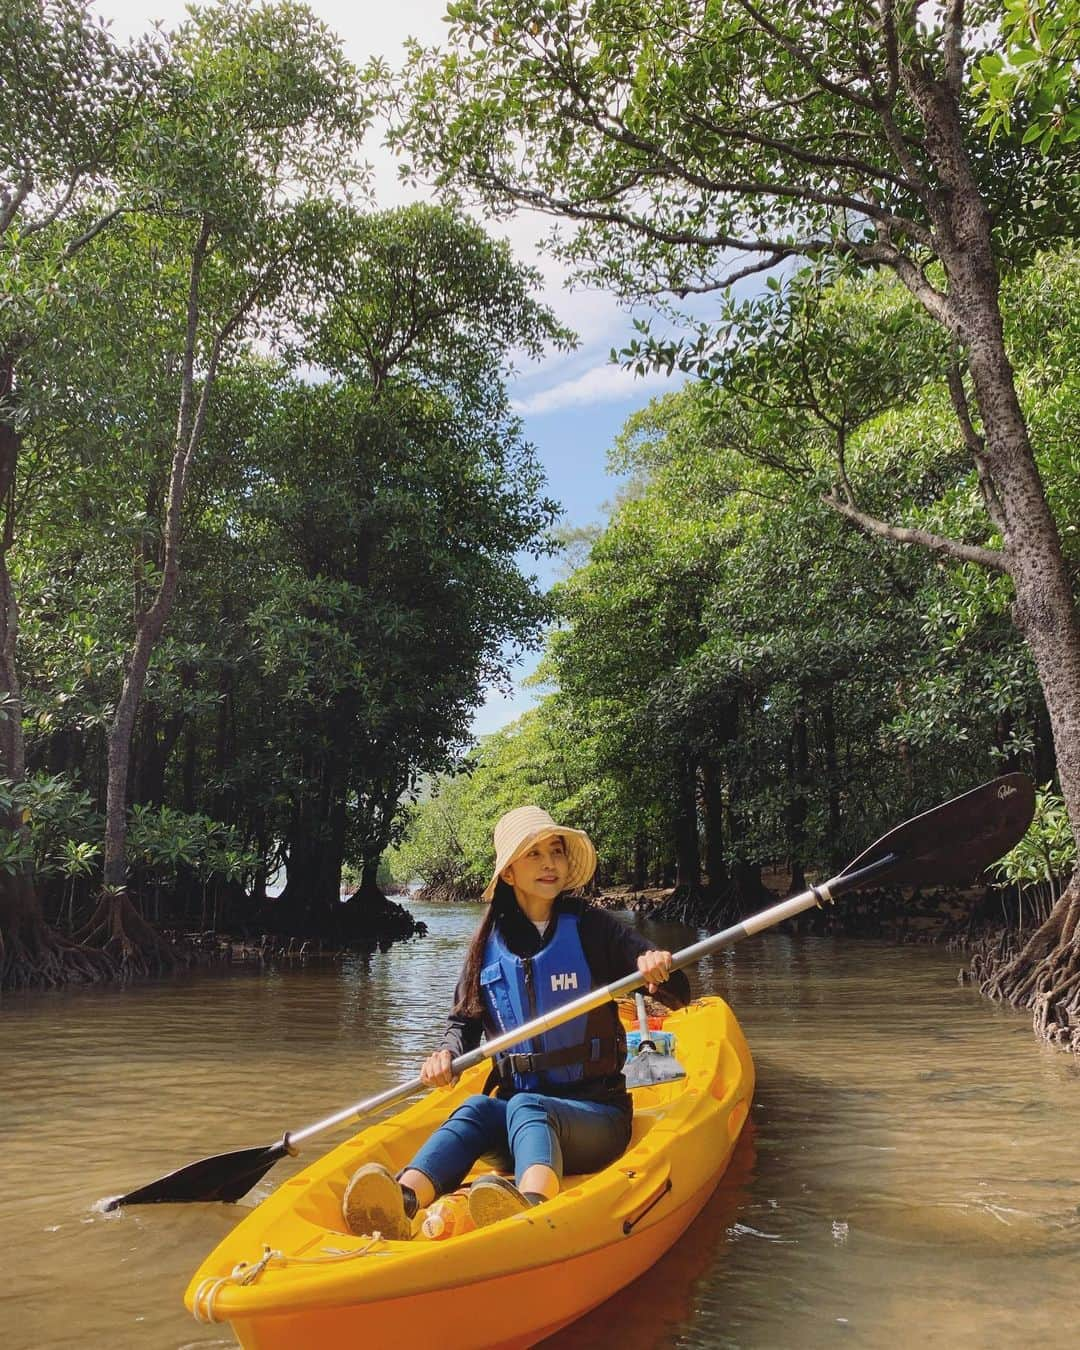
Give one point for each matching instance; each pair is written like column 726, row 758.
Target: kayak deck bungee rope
column 204, row 1298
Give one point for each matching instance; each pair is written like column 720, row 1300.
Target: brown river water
column 910, row 1175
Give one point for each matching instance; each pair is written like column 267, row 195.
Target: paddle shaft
column 566, row 1012
column 642, row 1019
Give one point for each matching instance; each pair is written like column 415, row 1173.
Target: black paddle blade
column 226, row 1177
column 953, row 842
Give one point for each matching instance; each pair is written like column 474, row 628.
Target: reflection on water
column 910, row 1173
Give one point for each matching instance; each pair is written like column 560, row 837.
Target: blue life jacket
column 515, row 989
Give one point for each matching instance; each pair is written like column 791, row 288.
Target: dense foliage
column 742, row 679
column 263, row 494
column 692, row 145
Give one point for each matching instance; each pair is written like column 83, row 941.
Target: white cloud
column 366, row 29
column 601, row 384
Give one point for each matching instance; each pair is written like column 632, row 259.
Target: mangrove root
column 1044, row 975
column 135, row 946
column 33, row 955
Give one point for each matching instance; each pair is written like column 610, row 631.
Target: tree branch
column 881, row 253
column 884, row 102
column 80, row 241
column 10, row 202
column 841, row 461
column 548, row 204
column 803, row 58
column 728, row 279
column 50, row 216
column 975, row 444
column 801, row 155
column 613, row 128
column 187, row 376
column 935, row 302
column 954, row 45
column 992, row 558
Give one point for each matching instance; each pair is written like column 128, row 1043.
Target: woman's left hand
column 656, row 967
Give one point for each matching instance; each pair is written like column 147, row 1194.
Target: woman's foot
column 492, row 1198
column 374, row 1202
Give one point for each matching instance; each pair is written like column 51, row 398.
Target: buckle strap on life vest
column 539, row 1062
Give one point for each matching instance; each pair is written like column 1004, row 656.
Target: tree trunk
column 1043, row 973
column 155, row 745
column 115, row 913
column 187, row 775
column 12, row 744
column 747, row 888
column 832, row 781
column 1044, row 610
column 640, row 868
column 31, row 953
column 120, row 734
column 369, row 877
column 369, row 918
column 796, row 810
column 150, row 622
column 313, row 885
column 1044, row 745
column 224, row 737
column 687, row 852
column 712, row 802
column 311, row 899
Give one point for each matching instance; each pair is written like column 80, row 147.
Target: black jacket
column 611, row 950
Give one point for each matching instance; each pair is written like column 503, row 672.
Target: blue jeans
column 529, row 1128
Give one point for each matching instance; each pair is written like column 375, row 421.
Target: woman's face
column 540, row 873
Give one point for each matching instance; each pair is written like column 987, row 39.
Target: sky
column 572, row 404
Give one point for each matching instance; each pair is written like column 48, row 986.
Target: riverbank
column 961, row 921
column 949, row 916
column 369, row 924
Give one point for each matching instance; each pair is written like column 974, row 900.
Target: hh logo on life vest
column 564, row 981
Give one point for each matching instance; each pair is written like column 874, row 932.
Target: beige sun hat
column 518, row 830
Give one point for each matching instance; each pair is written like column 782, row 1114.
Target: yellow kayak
column 291, row 1276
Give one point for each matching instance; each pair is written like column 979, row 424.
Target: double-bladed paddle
column 952, row 842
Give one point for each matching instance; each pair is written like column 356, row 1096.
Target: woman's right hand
column 435, row 1070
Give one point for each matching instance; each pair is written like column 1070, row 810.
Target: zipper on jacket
column 530, row 987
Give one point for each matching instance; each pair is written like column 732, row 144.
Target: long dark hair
column 502, row 903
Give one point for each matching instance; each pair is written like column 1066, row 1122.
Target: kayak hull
column 478, row 1320
column 508, row 1285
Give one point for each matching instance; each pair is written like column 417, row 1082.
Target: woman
column 561, row 1103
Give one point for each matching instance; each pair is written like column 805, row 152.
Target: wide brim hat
column 518, row 830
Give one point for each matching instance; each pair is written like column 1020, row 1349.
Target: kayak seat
column 644, row 1120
